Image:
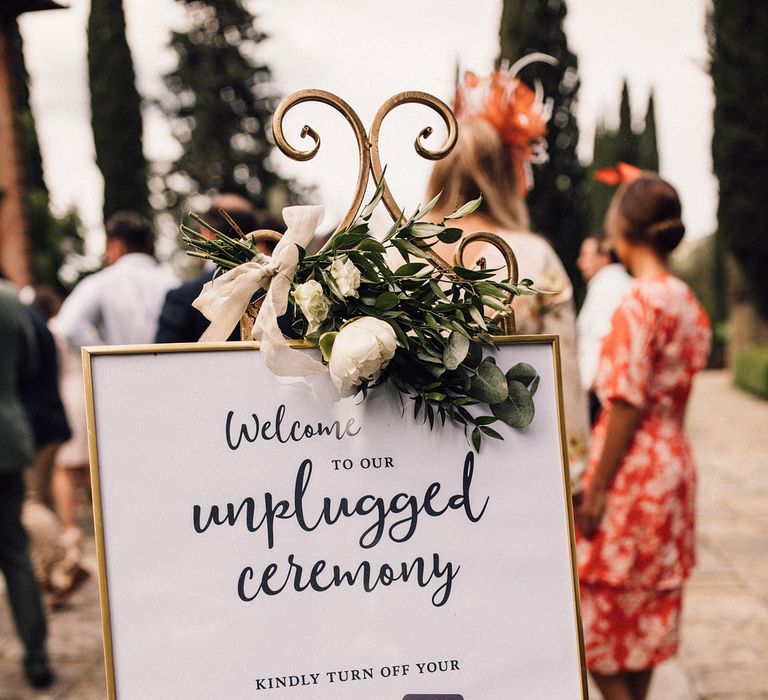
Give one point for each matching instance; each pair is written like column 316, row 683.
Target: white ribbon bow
column 224, row 300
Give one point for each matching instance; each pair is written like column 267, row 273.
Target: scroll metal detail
column 370, row 162
column 508, row 318
column 363, row 144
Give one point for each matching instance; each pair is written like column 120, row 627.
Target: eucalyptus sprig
column 443, row 362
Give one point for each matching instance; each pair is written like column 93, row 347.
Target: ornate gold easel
column 370, row 166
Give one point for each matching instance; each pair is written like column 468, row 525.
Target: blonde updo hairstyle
column 480, row 164
column 647, row 211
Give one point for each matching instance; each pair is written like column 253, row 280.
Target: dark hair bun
column 666, row 234
column 650, row 213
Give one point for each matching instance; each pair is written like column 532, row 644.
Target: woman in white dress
column 71, row 477
column 500, row 127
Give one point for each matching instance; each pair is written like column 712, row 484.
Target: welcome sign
column 261, row 538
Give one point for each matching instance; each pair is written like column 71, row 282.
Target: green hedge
column 750, row 370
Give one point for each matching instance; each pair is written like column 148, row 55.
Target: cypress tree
column 51, row 238
column 25, row 121
column 115, row 110
column 557, row 201
column 626, row 138
column 598, row 193
column 621, row 145
column 220, row 106
column 647, row 145
column 739, row 66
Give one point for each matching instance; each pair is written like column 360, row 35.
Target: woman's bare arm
column 623, row 419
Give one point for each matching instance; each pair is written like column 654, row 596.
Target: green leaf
column 426, row 356
column 407, row 248
column 326, row 344
column 508, row 288
column 491, row 289
column 490, row 432
column 409, row 269
column 464, row 414
column 467, row 209
column 456, row 350
column 522, row 372
column 346, row 238
column 361, row 261
column 417, row 401
column 476, row 439
column 468, row 274
column 435, row 287
column 423, row 229
column 477, row 317
column 518, row 410
column 489, row 385
column 368, row 210
column 433, row 324
column 474, row 356
column 450, row 235
column 402, row 338
column 332, row 286
column 384, row 271
column 397, row 243
column 492, row 303
column 428, row 207
column 387, row 301
column 371, row 245
column 393, row 229
column 436, row 370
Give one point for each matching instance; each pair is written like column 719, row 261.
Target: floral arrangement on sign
column 421, row 327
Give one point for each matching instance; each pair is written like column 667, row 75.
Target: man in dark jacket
column 17, row 355
column 180, row 322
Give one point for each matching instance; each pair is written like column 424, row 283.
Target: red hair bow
column 622, row 173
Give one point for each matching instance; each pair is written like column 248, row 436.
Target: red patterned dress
column 631, row 572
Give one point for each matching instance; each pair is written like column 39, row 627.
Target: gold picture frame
column 93, row 354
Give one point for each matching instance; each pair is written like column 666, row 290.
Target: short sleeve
column 80, row 313
column 626, row 356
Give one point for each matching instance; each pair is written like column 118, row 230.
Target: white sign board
column 260, row 538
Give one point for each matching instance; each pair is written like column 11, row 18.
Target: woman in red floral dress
column 635, row 535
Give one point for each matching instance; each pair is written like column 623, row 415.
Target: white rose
column 346, row 276
column 361, row 350
column 313, row 303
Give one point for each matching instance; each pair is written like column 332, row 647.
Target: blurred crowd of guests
column 628, row 361
column 44, row 450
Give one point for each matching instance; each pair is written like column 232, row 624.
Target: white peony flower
column 361, row 350
column 346, row 276
column 313, row 303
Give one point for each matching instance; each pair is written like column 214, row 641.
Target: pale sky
column 367, row 51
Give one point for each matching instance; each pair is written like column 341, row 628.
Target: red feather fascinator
column 517, row 113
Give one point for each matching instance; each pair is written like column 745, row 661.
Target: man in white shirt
column 607, row 282
column 120, row 304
